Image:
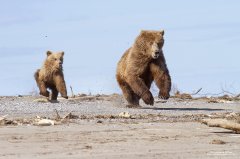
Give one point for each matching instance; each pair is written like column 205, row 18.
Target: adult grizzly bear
column 50, row 76
column 140, row 65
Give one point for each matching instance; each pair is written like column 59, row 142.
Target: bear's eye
column 55, row 59
column 160, row 45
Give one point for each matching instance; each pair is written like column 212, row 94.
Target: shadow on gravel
column 223, row 132
column 184, row 109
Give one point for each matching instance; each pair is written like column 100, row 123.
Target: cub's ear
column 143, row 31
column 49, row 53
column 62, row 53
column 162, row 32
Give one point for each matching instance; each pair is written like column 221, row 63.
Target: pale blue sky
column 202, row 41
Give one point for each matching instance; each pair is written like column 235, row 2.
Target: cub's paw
column 163, row 95
column 148, row 98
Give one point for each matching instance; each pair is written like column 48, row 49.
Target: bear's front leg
column 139, row 87
column 162, row 79
column 60, row 85
column 165, row 85
column 43, row 89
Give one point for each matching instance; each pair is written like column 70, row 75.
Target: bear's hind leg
column 129, row 95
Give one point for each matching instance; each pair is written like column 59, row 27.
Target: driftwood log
column 223, row 123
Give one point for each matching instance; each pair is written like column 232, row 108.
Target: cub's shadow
column 184, row 109
column 54, row 101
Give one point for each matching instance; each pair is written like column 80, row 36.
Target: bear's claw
column 148, row 98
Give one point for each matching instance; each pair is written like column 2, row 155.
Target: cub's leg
column 129, row 95
column 54, row 94
column 43, row 89
column 41, row 85
column 36, row 76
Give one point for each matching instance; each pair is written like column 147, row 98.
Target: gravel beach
column 169, row 129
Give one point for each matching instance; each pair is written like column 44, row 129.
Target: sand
column 167, row 130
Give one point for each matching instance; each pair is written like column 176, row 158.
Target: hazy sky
column 202, row 41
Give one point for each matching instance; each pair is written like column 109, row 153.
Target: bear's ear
column 143, row 33
column 162, row 32
column 62, row 53
column 49, row 53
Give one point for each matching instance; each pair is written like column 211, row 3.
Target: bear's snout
column 155, row 55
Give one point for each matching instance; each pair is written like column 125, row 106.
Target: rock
column 99, row 121
column 218, row 142
column 41, row 100
column 45, row 122
column 124, row 115
column 3, row 117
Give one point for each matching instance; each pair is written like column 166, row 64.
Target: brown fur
column 50, row 76
column 142, row 64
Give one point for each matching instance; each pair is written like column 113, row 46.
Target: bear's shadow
column 184, row 109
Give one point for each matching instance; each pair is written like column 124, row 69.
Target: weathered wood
column 223, row 123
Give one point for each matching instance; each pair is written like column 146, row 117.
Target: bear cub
column 142, row 64
column 50, row 76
